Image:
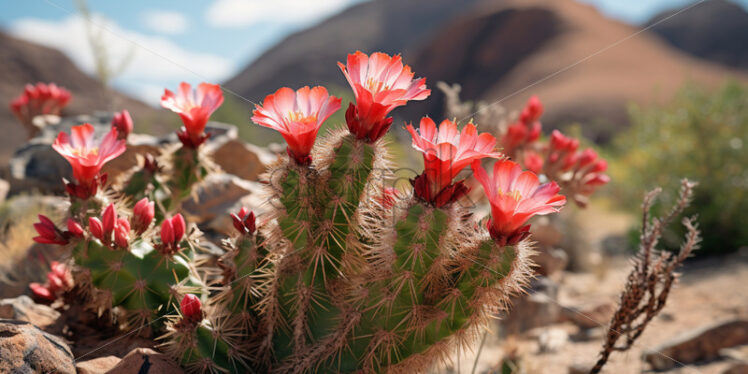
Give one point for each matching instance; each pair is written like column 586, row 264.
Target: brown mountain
column 23, row 62
column 585, row 67
column 715, row 30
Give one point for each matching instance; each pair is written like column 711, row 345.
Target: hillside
column 495, row 49
column 22, row 62
column 696, row 32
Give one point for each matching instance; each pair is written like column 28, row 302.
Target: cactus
column 340, row 273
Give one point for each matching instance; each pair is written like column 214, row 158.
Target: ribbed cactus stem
column 139, row 279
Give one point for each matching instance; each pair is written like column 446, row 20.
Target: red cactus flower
column 445, row 153
column 59, row 280
column 87, row 155
column 48, row 232
column 515, row 196
column 297, row 115
column 142, row 215
column 172, row 231
column 38, row 99
column 191, row 309
column 195, row 108
column 244, row 222
column 123, row 123
column 380, row 84
column 533, row 161
column 526, row 130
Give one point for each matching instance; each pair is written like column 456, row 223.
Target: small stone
column 145, row 360
column 22, row 308
column 590, row 317
column 4, row 189
column 550, row 261
column 537, row 308
column 579, row 368
column 553, row 339
column 243, row 160
column 97, row 365
column 701, row 344
column 24, row 348
column 738, row 368
column 217, row 196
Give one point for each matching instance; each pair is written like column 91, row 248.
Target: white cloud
column 241, row 13
column 165, row 21
column 154, row 60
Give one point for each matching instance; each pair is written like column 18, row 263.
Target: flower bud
column 96, row 228
column 172, row 232
column 122, row 233
column 109, row 220
column 74, row 228
column 143, row 214
column 191, row 308
column 244, row 221
column 48, row 232
column 122, row 122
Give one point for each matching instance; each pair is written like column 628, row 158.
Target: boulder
column 701, row 344
column 22, row 308
column 24, row 348
column 217, row 196
column 536, row 308
column 145, row 361
column 97, row 365
column 737, row 368
column 243, row 160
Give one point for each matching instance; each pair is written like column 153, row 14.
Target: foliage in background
column 700, row 135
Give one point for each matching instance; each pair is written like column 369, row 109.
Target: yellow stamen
column 514, row 194
column 375, row 86
column 299, row 117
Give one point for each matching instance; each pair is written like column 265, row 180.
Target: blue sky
column 166, row 42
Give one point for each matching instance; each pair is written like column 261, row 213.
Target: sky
column 158, row 43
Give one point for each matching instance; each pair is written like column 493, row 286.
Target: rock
column 553, row 339
column 244, row 160
column 697, row 345
column 739, row 353
column 591, row 317
column 145, row 361
column 545, row 233
column 97, row 365
column 137, row 144
column 4, row 189
column 217, row 195
column 22, row 308
column 585, row 335
column 579, row 368
column 537, row 308
column 738, row 368
column 550, row 261
column 24, row 348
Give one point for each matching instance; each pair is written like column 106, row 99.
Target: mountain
column 715, row 30
column 23, row 62
column 584, row 67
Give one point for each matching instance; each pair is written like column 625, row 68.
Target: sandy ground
column 710, row 290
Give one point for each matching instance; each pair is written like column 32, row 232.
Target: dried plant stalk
column 650, row 281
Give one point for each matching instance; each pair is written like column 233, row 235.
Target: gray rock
column 217, row 196
column 97, row 365
column 537, row 308
column 24, row 348
column 22, row 308
column 701, row 344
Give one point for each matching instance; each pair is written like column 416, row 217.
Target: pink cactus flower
column 445, row 153
column 380, row 84
column 123, row 123
column 39, row 99
column 297, row 115
column 526, row 130
column 195, row 108
column 87, row 156
column 515, row 196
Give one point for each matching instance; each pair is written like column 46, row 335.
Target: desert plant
column 700, row 135
column 341, row 273
column 652, row 277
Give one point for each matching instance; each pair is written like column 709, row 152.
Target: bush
column 700, row 135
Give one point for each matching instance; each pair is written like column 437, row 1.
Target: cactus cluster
column 340, row 273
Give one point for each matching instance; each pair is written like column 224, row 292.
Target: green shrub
column 700, row 135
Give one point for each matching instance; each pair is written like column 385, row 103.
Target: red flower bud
column 96, row 228
column 41, row 292
column 109, row 220
column 143, row 214
column 167, row 232
column 244, row 221
column 172, row 232
column 48, row 232
column 122, row 122
column 122, row 233
column 191, row 308
column 74, row 228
